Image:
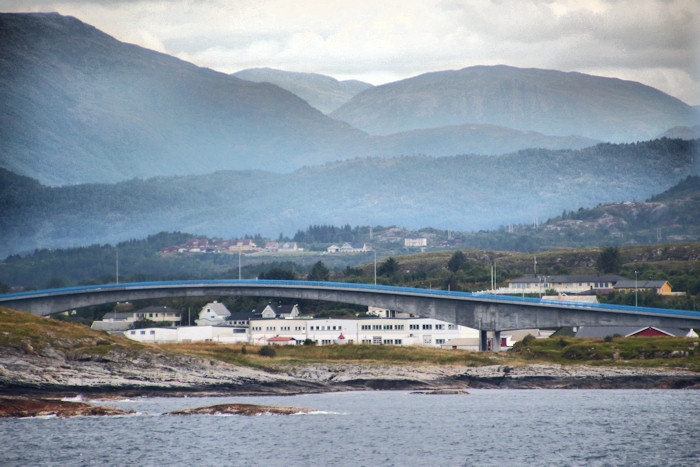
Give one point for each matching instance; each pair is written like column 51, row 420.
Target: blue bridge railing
column 348, row 285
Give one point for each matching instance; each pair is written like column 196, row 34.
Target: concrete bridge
column 493, row 313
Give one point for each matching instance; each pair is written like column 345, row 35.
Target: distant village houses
column 348, row 248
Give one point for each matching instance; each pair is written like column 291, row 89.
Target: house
column 242, row 318
column 121, row 321
column 660, row 287
column 564, row 284
column 277, row 311
column 348, row 248
column 213, row 313
column 415, row 242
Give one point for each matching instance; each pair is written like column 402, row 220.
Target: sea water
column 485, row 427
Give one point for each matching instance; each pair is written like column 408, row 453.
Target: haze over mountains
column 459, row 193
column 320, row 91
column 232, row 156
column 547, row 101
column 81, row 107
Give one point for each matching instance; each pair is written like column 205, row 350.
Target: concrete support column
column 483, row 340
column 496, row 347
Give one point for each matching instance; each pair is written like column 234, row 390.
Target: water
column 486, row 427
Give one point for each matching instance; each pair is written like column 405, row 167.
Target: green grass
column 675, row 352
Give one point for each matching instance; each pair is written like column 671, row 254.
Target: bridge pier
column 486, row 344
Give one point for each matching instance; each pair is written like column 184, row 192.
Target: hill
column 546, row 101
column 322, row 92
column 80, row 106
column 462, row 193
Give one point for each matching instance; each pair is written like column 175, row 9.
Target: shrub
column 244, row 350
column 309, row 342
column 527, row 339
column 608, row 339
column 267, row 351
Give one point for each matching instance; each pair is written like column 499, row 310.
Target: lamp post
column 635, row 288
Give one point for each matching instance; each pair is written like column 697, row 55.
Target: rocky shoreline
column 119, row 374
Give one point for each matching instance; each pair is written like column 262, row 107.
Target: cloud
column 653, row 41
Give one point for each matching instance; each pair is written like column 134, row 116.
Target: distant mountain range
column 547, row 101
column 461, row 193
column 320, row 91
column 82, row 107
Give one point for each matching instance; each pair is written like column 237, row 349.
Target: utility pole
column 117, row 266
column 635, row 288
column 375, row 267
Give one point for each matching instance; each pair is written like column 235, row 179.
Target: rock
column 241, row 409
column 442, row 392
column 27, row 407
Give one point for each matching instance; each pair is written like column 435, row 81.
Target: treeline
column 324, row 234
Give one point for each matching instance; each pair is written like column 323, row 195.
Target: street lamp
column 635, row 288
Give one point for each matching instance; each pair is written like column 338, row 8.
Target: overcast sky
column 651, row 41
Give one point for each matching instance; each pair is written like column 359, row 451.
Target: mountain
column 682, row 132
column 80, row 106
column 320, row 91
column 546, row 101
column 458, row 193
column 472, row 139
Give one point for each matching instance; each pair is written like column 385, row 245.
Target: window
column 366, row 341
column 398, row 327
column 427, row 340
column 377, row 340
column 388, row 341
column 388, row 327
column 427, row 326
column 326, row 342
column 413, row 326
column 142, row 332
column 397, row 341
column 451, row 326
column 439, row 326
column 377, row 327
column 366, row 327
column 439, row 341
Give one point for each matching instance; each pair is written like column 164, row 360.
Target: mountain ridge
column 81, row 107
column 457, row 192
column 531, row 99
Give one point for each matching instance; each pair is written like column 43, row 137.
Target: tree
column 319, row 272
column 388, row 267
column 457, row 261
column 279, row 274
column 609, row 260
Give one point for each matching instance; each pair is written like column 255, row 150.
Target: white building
column 390, row 331
column 213, row 313
column 222, row 334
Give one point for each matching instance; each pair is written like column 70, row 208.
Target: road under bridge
column 493, row 313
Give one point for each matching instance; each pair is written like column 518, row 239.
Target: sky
column 655, row 42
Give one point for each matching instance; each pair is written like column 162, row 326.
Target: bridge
column 493, row 313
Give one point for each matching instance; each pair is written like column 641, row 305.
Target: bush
column 244, row 350
column 267, row 351
column 527, row 339
column 608, row 339
column 309, row 342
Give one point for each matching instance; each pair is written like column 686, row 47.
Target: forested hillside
column 461, row 193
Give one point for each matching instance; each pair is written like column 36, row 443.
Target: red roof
column 278, row 339
column 341, row 336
